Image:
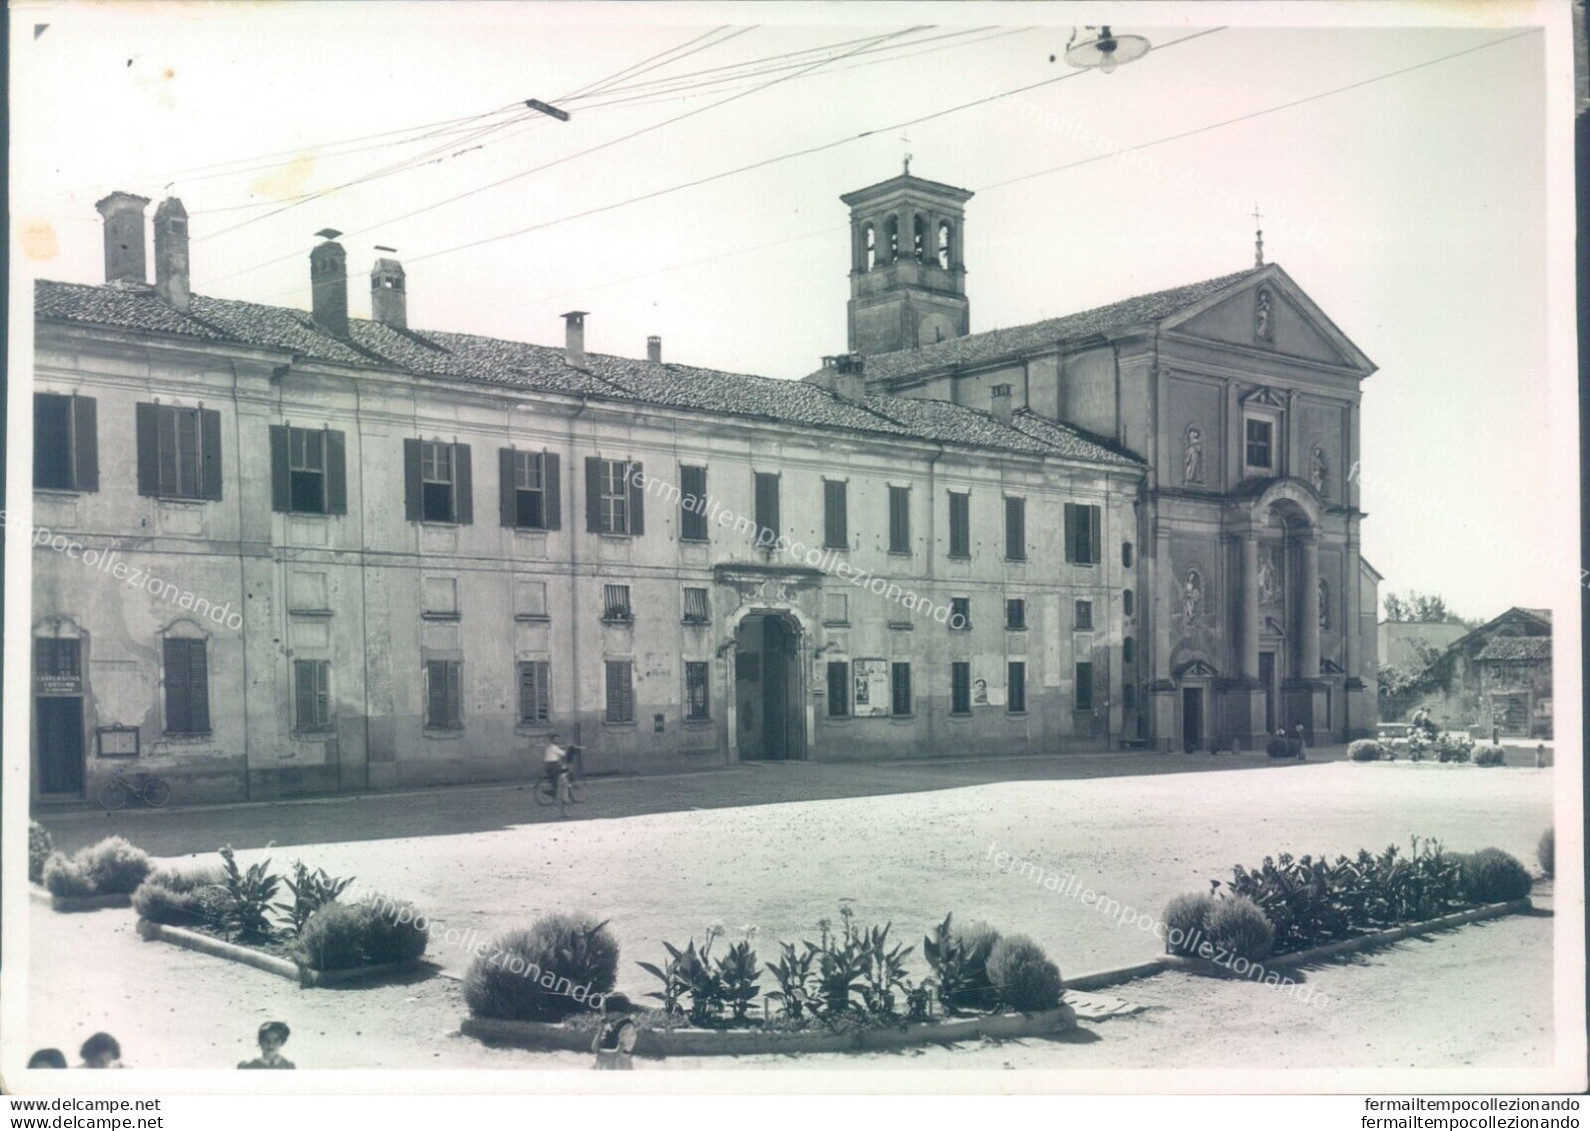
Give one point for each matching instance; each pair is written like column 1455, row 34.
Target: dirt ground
column 906, row 858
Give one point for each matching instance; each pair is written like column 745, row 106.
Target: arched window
column 892, row 234
column 946, row 234
column 918, row 238
column 869, row 247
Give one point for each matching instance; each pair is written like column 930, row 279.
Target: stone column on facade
column 1250, row 604
column 1308, row 639
column 1161, row 591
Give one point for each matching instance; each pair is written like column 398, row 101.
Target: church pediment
column 1268, row 312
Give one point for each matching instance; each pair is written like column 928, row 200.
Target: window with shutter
column 1016, row 613
column 692, row 504
column 696, row 702
column 1016, row 687
column 187, row 687
column 1016, row 529
column 836, row 523
column 53, row 466
column 767, row 516
column 437, row 481
column 960, row 524
column 1084, row 616
column 960, row 619
column 444, row 698
column 695, row 606
column 1084, row 692
column 312, row 685
column 527, row 487
column 620, row 691
column 899, row 520
column 535, row 697
column 900, row 687
column 176, row 463
column 960, row 688
column 615, row 603
column 838, row 688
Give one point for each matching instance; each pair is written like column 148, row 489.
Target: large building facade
column 281, row 552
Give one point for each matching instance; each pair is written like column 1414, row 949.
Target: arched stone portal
column 768, row 686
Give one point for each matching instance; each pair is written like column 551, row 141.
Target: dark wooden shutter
column 1015, row 529
column 413, row 504
column 507, row 494
column 209, row 454
column 281, row 485
column 455, row 693
column 147, row 426
column 693, row 503
column 85, row 443
column 552, row 484
column 593, row 494
column 336, row 473
column 198, row 687
column 960, row 524
column 1071, row 532
column 463, row 486
column 177, row 712
column 836, row 530
column 305, row 718
column 1095, row 540
column 899, row 520
column 767, row 502
column 637, row 498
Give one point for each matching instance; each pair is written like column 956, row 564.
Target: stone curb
column 281, row 967
column 545, row 1037
column 69, row 903
column 1098, row 979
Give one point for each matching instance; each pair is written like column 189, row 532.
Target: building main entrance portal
column 769, row 704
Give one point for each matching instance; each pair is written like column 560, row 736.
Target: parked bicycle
column 568, row 788
column 120, row 789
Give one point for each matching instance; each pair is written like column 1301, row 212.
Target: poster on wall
column 872, row 688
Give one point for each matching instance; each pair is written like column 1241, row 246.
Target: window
column 696, row 706
column 1016, row 613
column 56, row 657
column 836, row 608
column 1084, row 695
column 960, row 614
column 1082, row 533
column 535, row 692
column 899, row 520
column 615, row 497
column 1083, row 621
column 838, row 688
column 65, row 443
column 1015, row 529
column 900, row 688
column 308, row 470
column 1128, row 650
column 1016, row 687
column 437, row 482
column 1126, row 555
column 312, row 690
column 620, row 690
column 1260, row 442
column 836, row 524
column 944, row 244
column 444, row 694
column 1128, row 603
column 179, row 452
column 693, row 504
column 960, row 688
column 767, row 505
column 615, row 603
column 187, row 687
column 696, row 606
column 532, row 489
column 960, row 524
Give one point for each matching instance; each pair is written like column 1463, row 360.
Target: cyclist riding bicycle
column 555, row 761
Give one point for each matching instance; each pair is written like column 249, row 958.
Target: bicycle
column 152, row 791
column 568, row 783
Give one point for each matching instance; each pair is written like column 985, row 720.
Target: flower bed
column 100, row 875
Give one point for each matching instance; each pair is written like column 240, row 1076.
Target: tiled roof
column 543, row 368
column 1516, row 648
column 993, row 344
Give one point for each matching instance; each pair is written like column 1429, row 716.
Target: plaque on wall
column 117, row 741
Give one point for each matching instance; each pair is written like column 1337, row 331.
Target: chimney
column 999, row 403
column 171, row 253
column 574, row 338
column 389, row 304
column 328, row 274
column 124, row 238
column 842, row 376
column 654, row 348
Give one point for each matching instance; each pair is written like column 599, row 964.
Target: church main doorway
column 770, row 719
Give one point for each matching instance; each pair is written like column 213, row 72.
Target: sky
column 1412, row 209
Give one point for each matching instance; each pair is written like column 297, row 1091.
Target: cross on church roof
column 905, row 139
column 1258, row 238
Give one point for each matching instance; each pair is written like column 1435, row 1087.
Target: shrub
column 342, row 936
column 1023, row 976
column 175, row 897
column 215, row 907
column 311, row 891
column 544, row 973
column 1185, row 919
column 1546, row 852
column 65, row 876
column 1366, row 750
column 1489, row 756
column 40, row 845
column 1238, row 926
column 978, row 939
column 961, row 973
column 1493, row 876
column 1453, row 747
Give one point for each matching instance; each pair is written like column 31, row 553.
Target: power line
column 604, row 85
column 630, row 70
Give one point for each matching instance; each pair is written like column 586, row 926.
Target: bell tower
column 907, row 269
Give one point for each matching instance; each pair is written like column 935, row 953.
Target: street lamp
column 1105, row 50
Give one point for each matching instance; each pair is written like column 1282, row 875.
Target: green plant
column 251, row 892
column 214, row 906
column 979, row 938
column 957, row 969
column 1366, row 750
column 671, row 974
column 374, row 932
column 1546, row 852
column 40, row 845
column 175, row 897
column 738, row 978
column 1185, row 916
column 794, row 976
column 545, row 973
column 1493, row 876
column 1490, row 756
column 311, row 891
column 1237, row 926
column 886, row 975
column 114, row 867
column 842, row 962
column 66, row 877
column 1022, row 975
column 1451, row 747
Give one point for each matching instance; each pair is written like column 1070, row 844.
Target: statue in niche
column 1269, row 590
column 1317, row 471
column 1192, row 599
column 1263, row 328
column 1192, row 460
column 1324, row 605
